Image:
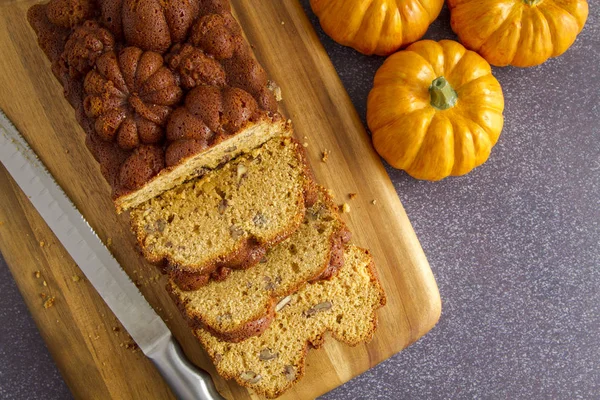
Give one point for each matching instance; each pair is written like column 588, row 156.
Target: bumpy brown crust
column 74, row 33
column 318, row 341
column 257, row 325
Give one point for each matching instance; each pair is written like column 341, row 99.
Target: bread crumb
column 109, row 242
column 325, row 155
column 37, row 274
column 345, row 208
column 43, row 295
column 49, row 302
column 352, row 195
column 305, row 144
column 116, row 329
column 44, row 283
column 75, row 278
column 42, row 243
column 374, row 202
column 67, row 151
column 131, row 345
column 274, row 87
column 282, row 23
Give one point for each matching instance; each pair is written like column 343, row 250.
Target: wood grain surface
column 91, row 349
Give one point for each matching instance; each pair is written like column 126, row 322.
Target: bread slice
column 244, row 304
column 228, row 218
column 274, row 361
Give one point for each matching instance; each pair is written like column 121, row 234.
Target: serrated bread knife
column 101, row 269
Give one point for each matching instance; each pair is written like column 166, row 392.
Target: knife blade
column 100, row 268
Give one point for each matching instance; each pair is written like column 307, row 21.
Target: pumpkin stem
column 442, row 94
column 531, row 2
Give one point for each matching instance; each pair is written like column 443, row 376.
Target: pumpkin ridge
column 365, row 20
column 555, row 29
column 420, row 144
column 471, row 113
column 424, row 61
column 559, row 5
column 399, row 117
column 472, row 77
column 458, row 157
column 475, row 81
column 422, row 6
column 502, row 27
column 528, row 20
column 548, row 34
column 477, row 147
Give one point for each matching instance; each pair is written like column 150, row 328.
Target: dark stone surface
column 514, row 245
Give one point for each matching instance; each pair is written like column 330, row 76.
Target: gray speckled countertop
column 514, row 245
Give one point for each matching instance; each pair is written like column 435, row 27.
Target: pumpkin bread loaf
column 228, row 218
column 274, row 361
column 243, row 305
column 164, row 90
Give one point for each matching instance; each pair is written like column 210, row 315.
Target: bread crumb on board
column 345, row 208
column 351, row 196
column 274, row 87
column 75, row 278
column 37, row 274
column 49, row 302
column 44, row 283
column 42, row 243
column 109, row 242
column 374, row 202
column 325, row 155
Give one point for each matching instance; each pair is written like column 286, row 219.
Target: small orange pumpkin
column 376, row 26
column 522, row 33
column 435, row 110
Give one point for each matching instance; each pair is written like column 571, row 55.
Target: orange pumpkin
column 522, row 33
column 435, row 110
column 376, row 26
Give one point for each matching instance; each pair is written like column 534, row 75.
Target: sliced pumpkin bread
column 243, row 305
column 229, row 217
column 274, row 361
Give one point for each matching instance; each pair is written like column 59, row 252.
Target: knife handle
column 186, row 380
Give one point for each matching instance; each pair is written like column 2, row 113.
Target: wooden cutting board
column 90, row 348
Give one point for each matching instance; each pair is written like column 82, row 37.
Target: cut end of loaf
column 254, row 135
column 274, row 361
